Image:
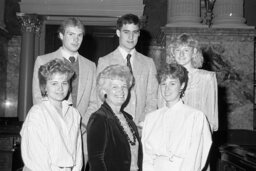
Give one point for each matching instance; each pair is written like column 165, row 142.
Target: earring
column 105, row 96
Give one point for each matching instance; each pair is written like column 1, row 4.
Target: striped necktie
column 128, row 58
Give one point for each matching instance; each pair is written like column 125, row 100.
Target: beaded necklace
column 124, row 132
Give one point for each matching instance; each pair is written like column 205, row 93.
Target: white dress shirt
column 66, row 54
column 51, row 141
column 176, row 139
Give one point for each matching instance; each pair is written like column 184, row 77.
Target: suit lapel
column 83, row 75
column 118, row 58
column 137, row 65
column 58, row 54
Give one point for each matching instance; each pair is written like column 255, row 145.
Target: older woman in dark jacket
column 112, row 137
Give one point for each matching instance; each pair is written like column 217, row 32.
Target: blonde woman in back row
column 201, row 92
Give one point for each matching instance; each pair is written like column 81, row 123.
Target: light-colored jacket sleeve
column 200, row 144
column 34, row 142
column 36, row 92
column 93, row 104
column 79, row 155
column 148, row 157
column 211, row 103
column 102, row 64
column 152, row 89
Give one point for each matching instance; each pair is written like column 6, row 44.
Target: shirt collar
column 124, row 53
column 66, row 54
column 176, row 105
column 66, row 104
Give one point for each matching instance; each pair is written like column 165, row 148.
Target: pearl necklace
column 124, row 132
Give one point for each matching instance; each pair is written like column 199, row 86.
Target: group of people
column 122, row 115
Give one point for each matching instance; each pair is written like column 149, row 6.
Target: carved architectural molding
column 30, row 22
column 103, row 8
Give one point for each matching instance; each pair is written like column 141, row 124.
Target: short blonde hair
column 187, row 40
column 113, row 72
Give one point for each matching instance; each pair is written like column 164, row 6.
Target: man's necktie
column 72, row 59
column 128, row 58
column 130, row 106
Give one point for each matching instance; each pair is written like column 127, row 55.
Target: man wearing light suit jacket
column 143, row 95
column 82, row 95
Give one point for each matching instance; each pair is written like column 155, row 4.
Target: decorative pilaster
column 31, row 24
column 2, row 9
column 185, row 13
column 229, row 14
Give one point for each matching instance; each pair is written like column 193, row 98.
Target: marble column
column 31, row 24
column 185, row 13
column 229, row 14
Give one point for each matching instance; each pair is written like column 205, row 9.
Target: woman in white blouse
column 50, row 135
column 175, row 137
column 201, row 92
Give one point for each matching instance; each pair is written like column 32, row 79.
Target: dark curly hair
column 128, row 19
column 174, row 70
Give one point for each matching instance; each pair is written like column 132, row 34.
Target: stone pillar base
column 183, row 13
column 185, row 24
column 230, row 22
column 185, row 21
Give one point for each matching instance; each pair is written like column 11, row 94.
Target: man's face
column 128, row 36
column 72, row 38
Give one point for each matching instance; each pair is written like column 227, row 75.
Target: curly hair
column 128, row 19
column 174, row 70
column 187, row 40
column 54, row 66
column 112, row 72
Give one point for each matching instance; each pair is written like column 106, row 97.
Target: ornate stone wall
column 12, row 83
column 230, row 53
column 3, row 69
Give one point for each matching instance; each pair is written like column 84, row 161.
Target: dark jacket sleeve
column 96, row 142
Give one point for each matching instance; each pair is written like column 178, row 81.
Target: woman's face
column 57, row 87
column 170, row 89
column 117, row 92
column 183, row 54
